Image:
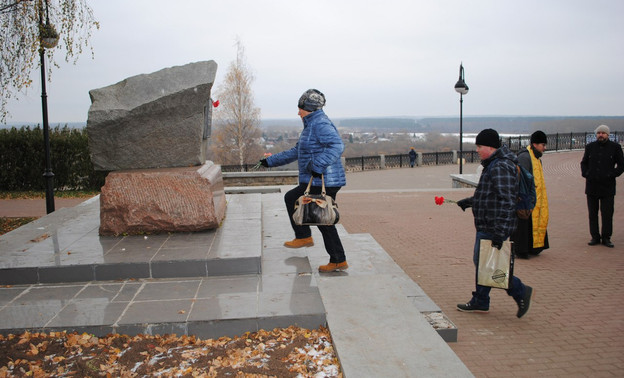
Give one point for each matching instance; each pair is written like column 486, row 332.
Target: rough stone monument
column 152, row 132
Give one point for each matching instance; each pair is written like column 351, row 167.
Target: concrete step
column 208, row 284
column 207, row 307
column 378, row 332
column 364, row 255
column 65, row 247
column 382, row 323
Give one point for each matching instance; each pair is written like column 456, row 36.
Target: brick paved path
column 575, row 326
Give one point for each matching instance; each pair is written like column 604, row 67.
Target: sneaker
column 299, row 243
column 525, row 302
column 471, row 307
column 333, row 267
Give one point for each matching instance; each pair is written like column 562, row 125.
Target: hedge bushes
column 22, row 160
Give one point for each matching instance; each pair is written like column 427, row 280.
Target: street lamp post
column 462, row 89
column 47, row 38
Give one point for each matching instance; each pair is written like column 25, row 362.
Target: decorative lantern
column 48, row 36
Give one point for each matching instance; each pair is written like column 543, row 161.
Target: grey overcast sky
column 370, row 58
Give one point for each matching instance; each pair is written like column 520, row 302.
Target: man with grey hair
column 602, row 162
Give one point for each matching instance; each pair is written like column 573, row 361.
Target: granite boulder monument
column 151, row 131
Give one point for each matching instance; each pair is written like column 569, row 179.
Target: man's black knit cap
column 488, row 137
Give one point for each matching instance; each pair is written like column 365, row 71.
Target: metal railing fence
column 556, row 142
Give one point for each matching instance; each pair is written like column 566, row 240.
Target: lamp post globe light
column 462, row 89
column 48, row 37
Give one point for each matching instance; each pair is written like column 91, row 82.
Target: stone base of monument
column 162, row 200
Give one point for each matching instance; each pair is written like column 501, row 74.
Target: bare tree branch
column 7, row 7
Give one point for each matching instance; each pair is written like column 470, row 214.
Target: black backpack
column 527, row 197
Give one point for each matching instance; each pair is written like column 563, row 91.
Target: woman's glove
column 264, row 163
column 314, row 174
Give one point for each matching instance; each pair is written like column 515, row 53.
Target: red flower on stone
column 215, row 103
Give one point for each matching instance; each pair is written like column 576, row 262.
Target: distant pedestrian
column 412, row 157
column 531, row 235
column 494, row 210
column 602, row 162
column 318, row 154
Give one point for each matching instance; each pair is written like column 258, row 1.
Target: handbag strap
column 307, row 191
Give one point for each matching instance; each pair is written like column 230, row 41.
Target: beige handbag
column 316, row 209
column 495, row 265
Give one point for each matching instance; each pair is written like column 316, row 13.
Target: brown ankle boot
column 333, row 267
column 298, row 243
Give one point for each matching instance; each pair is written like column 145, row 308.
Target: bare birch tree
column 237, row 119
column 24, row 24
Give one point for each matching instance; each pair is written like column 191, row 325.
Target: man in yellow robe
column 531, row 236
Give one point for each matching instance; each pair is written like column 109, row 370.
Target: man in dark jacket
column 412, row 157
column 602, row 162
column 494, row 209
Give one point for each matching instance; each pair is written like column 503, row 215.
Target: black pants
column 333, row 245
column 605, row 205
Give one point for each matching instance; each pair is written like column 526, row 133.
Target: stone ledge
column 264, row 178
column 261, row 174
column 465, row 180
column 252, row 189
column 378, row 332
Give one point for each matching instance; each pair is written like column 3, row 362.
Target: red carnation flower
column 440, row 200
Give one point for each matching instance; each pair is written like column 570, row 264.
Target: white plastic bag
column 495, row 265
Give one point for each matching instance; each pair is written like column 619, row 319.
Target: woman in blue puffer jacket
column 318, row 153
